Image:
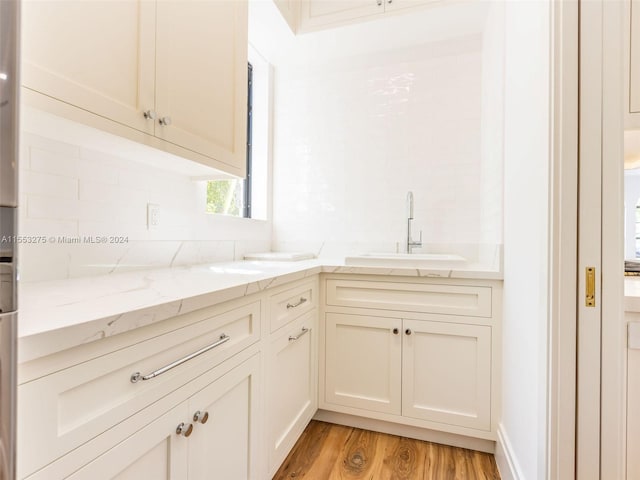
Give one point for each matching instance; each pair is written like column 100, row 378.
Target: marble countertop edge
column 59, row 315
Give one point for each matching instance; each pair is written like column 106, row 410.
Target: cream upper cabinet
column 317, row 14
column 290, row 10
column 173, row 69
column 96, row 55
column 201, row 77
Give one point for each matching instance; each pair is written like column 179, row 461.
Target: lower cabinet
column 439, row 372
column 210, row 435
column 291, row 386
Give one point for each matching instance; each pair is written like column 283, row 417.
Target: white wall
column 522, row 447
column 354, row 133
column 75, row 191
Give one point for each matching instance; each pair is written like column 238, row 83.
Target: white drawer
column 61, row 411
column 290, row 304
column 465, row 300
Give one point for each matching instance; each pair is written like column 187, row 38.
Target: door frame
column 560, row 436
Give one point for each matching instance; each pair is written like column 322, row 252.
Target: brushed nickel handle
column 296, row 337
column 294, row 305
column 396, row 331
column 184, row 429
column 201, row 417
column 150, row 114
column 408, row 331
column 137, row 376
column 165, row 121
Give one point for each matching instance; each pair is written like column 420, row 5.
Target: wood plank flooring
column 334, row 452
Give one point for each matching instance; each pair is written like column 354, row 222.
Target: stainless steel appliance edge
column 9, row 128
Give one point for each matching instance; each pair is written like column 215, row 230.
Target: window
column 233, row 196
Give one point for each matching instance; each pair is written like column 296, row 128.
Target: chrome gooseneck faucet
column 411, row 244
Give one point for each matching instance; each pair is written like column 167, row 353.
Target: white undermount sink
column 407, row 260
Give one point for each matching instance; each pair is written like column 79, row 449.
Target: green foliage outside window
column 225, row 197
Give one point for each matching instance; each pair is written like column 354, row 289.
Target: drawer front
column 63, row 410
column 290, row 304
column 464, row 300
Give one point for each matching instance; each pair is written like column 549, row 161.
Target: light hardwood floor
column 326, row 451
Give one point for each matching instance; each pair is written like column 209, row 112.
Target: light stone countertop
column 57, row 315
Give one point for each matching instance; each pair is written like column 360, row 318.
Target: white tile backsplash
column 78, row 193
column 351, row 137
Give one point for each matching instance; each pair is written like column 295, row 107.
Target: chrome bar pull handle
column 294, row 305
column 137, row 376
column 293, row 338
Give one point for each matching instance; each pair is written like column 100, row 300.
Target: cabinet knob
column 408, row 331
column 201, row 417
column 184, row 429
column 165, row 121
column 379, row 3
column 150, row 115
column 395, row 331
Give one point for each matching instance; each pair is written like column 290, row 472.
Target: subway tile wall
column 353, row 136
column 69, row 193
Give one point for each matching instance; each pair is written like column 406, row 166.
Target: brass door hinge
column 590, row 293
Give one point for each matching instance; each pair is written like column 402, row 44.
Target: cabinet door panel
column 318, row 13
column 447, row 373
column 153, row 452
column 225, row 446
column 363, row 360
column 292, row 386
column 393, row 5
column 96, row 55
column 201, row 81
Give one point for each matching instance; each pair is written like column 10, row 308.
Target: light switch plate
column 153, row 216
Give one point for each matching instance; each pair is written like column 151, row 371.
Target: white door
column 155, row 452
column 446, row 373
column 201, row 78
column 363, row 357
column 291, row 386
column 225, row 445
column 96, row 55
column 601, row 335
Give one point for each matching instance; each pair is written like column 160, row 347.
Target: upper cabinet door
column 201, row 78
column 391, row 5
column 289, row 10
column 318, row 13
column 96, row 55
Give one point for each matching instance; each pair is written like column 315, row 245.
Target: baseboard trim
column 408, row 431
column 505, row 459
